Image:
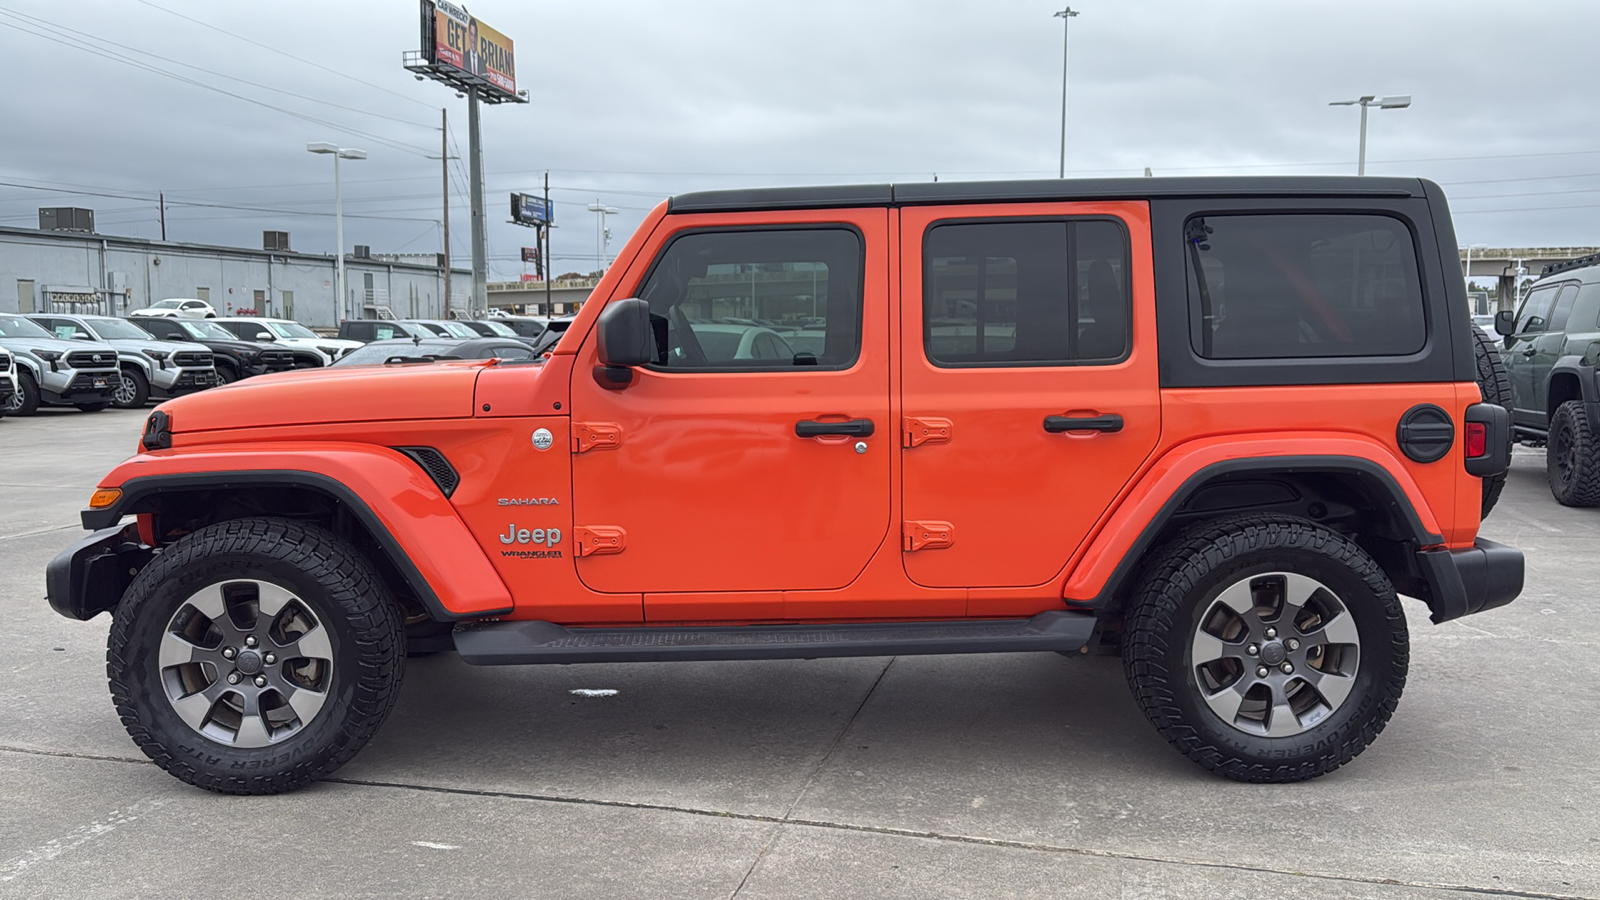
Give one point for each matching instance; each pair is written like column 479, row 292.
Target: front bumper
column 91, row 576
column 71, row 385
column 1463, row 582
column 185, row 381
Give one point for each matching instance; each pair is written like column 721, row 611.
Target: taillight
column 1477, row 439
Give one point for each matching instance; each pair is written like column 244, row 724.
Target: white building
column 79, row 271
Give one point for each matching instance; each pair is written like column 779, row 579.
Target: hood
column 234, row 346
column 321, row 396
column 168, row 347
column 25, row 344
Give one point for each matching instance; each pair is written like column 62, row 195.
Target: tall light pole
column 600, row 211
column 1066, row 16
column 338, row 216
column 1398, row 101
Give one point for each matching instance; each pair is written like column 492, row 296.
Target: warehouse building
column 63, row 266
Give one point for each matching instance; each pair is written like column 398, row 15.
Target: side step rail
column 533, row 642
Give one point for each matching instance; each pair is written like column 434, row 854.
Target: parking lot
column 1025, row 775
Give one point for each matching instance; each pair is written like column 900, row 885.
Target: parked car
column 544, row 332
column 490, row 328
column 379, row 352
column 443, row 327
column 1551, row 348
column 364, row 330
column 8, row 381
column 312, row 349
column 1255, row 426
column 234, row 359
column 51, row 371
column 178, row 308
column 150, row 367
column 735, row 344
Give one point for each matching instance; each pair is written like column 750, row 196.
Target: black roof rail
column 1578, row 263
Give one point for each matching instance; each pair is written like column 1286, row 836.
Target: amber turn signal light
column 105, row 497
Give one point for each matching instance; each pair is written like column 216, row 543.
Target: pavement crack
column 777, row 830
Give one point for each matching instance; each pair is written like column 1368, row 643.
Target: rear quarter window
column 1302, row 286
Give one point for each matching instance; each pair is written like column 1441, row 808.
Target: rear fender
column 1139, row 519
column 405, row 512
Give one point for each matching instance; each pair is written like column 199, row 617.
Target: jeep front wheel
column 255, row 656
column 1572, row 458
column 1266, row 648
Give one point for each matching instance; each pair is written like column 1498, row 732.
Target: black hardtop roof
column 940, row 192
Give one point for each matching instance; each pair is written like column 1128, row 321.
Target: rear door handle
column 1110, row 422
column 853, row 428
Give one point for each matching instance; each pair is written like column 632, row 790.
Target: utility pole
column 480, row 262
column 549, row 305
column 601, row 211
column 444, row 176
column 163, row 197
column 1066, row 16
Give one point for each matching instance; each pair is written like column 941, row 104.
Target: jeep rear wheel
column 1494, row 383
column 1266, row 648
column 1570, row 457
column 255, row 656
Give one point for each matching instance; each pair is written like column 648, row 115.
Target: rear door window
column 1295, row 286
column 1563, row 308
column 1024, row 293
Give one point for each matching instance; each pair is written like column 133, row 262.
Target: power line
column 78, row 44
column 287, row 54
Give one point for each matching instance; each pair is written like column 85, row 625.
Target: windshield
column 501, row 329
column 207, row 331
column 166, row 304
column 375, row 354
column 456, row 329
column 118, row 330
column 17, row 326
column 290, row 330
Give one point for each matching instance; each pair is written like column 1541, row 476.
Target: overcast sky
column 635, row 101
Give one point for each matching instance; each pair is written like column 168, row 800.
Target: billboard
column 526, row 209
column 453, row 39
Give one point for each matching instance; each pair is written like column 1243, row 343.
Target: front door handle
column 1110, row 423
column 853, row 428
column 1528, row 351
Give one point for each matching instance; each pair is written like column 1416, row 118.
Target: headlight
column 250, row 356
column 332, row 352
column 157, row 355
column 48, row 355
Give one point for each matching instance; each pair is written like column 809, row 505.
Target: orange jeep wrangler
column 1211, row 424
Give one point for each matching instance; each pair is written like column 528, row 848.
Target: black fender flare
column 1588, row 386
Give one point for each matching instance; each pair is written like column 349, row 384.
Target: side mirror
column 1505, row 322
column 264, row 336
column 626, row 339
column 80, row 336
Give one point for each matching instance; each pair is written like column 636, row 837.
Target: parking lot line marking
column 7, row 537
column 432, row 846
column 76, row 838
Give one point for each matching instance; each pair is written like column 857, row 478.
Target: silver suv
column 52, row 371
column 150, row 367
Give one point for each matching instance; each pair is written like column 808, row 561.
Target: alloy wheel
column 246, row 663
column 1275, row 653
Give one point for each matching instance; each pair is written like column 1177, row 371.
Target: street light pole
column 338, row 153
column 1066, row 16
column 1399, row 101
column 601, row 211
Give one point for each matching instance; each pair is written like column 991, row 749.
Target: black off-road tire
column 226, row 374
column 1572, row 457
column 1494, row 382
column 135, row 391
column 28, row 398
column 1187, row 575
column 344, row 592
